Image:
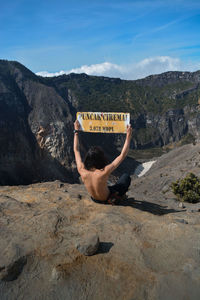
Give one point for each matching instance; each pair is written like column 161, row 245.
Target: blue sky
column 127, row 39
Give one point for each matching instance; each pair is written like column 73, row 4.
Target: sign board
column 103, row 122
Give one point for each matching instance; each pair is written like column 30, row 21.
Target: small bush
column 187, row 189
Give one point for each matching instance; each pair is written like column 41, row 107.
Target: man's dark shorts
column 117, row 190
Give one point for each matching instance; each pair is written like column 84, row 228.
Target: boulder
column 89, row 244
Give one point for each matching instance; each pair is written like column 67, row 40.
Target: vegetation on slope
column 187, row 189
column 107, row 94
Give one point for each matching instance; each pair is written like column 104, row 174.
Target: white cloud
column 156, row 65
column 148, row 66
column 103, row 69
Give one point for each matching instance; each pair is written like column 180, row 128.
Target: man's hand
column 129, row 132
column 77, row 125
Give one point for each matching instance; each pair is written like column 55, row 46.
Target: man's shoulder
column 93, row 173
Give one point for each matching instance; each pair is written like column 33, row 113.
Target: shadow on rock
column 104, row 247
column 153, row 208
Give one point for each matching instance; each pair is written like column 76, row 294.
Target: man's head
column 95, row 158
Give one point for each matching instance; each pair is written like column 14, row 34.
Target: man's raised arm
column 77, row 154
column 117, row 161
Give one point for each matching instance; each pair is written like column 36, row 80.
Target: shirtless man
column 95, row 171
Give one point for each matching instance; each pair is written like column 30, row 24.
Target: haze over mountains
column 37, row 114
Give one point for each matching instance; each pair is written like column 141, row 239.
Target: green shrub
column 187, row 189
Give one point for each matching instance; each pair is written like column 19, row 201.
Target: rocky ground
column 149, row 246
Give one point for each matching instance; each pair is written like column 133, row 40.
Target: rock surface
column 149, row 247
column 36, row 129
column 155, row 184
column 89, row 244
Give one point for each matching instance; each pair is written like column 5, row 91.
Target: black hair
column 95, row 158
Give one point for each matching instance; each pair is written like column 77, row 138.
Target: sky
column 115, row 38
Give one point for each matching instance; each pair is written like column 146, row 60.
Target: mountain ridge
column 37, row 117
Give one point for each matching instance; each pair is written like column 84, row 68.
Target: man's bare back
column 95, row 182
column 95, row 178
